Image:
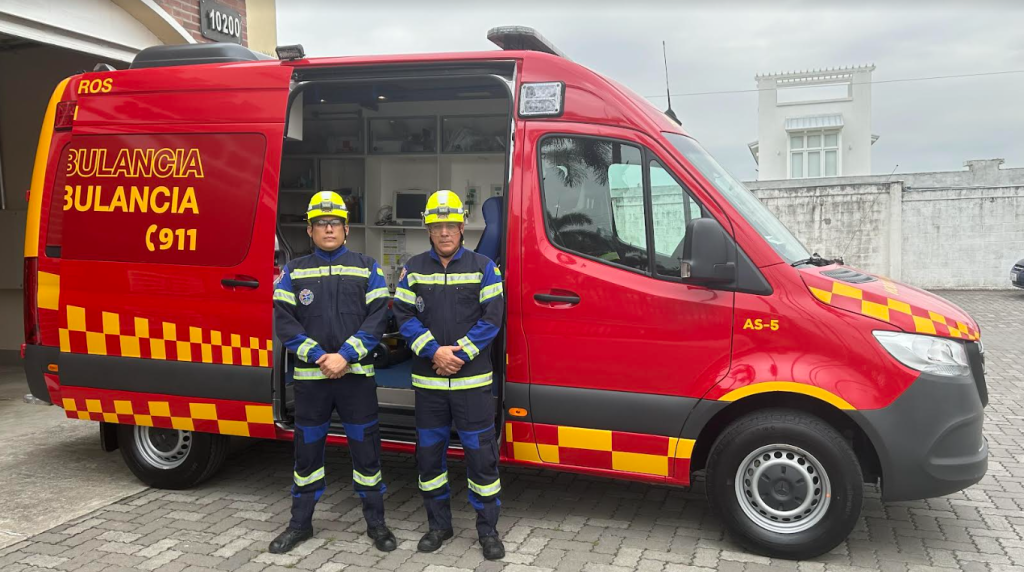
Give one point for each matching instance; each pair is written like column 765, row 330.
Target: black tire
column 189, row 458
column 803, row 441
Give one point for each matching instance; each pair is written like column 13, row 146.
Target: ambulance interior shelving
column 384, row 146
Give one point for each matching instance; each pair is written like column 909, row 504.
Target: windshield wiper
column 816, row 260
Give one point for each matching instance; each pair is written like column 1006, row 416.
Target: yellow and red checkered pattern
column 96, row 332
column 909, row 317
column 639, row 453
column 170, row 412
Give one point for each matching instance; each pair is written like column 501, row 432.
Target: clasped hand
column 332, row 365
column 445, row 361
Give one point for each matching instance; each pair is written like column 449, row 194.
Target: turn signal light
column 517, row 412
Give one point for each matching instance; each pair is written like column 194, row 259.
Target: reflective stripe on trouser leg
column 473, row 413
column 367, row 479
column 356, row 400
column 433, row 430
column 308, row 477
column 481, row 449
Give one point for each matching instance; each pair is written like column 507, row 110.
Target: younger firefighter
column 329, row 307
column 449, row 307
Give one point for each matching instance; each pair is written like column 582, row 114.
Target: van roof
column 590, row 97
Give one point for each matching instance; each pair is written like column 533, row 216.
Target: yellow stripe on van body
column 35, row 195
column 789, row 387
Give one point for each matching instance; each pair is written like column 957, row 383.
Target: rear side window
column 161, row 199
column 594, row 199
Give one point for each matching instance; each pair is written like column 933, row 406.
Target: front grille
column 1018, row 268
column 847, row 275
column 976, row 358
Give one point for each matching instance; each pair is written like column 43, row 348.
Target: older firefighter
column 449, row 308
column 329, row 307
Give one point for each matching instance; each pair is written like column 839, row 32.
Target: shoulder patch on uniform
column 420, row 304
column 306, row 297
column 402, row 275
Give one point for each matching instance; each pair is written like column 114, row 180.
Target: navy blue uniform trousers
column 355, row 399
column 472, row 413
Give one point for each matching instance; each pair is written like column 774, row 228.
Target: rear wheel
column 786, row 484
column 171, row 458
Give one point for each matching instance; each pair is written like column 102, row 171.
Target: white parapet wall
column 956, row 230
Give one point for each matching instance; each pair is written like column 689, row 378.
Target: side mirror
column 708, row 253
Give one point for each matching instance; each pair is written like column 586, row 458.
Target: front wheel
column 171, row 458
column 785, row 483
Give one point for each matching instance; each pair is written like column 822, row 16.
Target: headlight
column 926, row 354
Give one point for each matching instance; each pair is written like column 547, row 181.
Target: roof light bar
column 522, row 38
column 293, row 52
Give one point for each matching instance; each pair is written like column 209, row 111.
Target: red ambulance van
column 661, row 322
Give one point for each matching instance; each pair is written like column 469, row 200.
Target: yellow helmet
column 444, row 206
column 326, row 203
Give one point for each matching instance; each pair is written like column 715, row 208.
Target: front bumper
column 929, row 441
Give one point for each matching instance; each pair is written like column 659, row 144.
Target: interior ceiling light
column 381, row 97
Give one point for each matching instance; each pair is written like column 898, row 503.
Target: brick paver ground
column 553, row 521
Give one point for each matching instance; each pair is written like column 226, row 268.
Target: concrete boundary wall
column 954, row 230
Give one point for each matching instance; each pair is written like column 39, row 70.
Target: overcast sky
column 720, row 46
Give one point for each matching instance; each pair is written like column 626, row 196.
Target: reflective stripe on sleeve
column 485, row 490
column 312, row 478
column 435, row 483
column 304, row 348
column 367, row 481
column 490, row 292
column 357, row 345
column 374, row 294
column 284, row 296
column 419, row 343
column 469, row 347
column 407, row 296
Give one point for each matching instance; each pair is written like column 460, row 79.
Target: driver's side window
column 672, row 209
column 594, row 199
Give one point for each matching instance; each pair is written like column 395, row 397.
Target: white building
column 814, row 124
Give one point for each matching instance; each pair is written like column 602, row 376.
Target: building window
column 814, row 154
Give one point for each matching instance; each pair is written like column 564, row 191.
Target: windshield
column 744, row 201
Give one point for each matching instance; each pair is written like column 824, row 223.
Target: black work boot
column 290, row 538
column 433, row 539
column 493, row 548
column 382, row 537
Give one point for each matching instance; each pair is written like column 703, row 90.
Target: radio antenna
column 668, row 94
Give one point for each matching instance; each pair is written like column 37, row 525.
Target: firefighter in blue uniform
column 449, row 307
column 329, row 308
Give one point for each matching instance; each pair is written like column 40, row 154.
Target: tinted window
column 593, row 199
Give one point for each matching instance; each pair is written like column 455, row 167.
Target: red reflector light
column 31, row 293
column 65, row 115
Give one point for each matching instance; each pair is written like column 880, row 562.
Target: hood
column 908, row 308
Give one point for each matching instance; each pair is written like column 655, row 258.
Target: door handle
column 569, row 298
column 241, row 282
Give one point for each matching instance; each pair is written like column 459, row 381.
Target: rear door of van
column 159, row 229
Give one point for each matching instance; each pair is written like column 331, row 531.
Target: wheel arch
column 710, row 427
